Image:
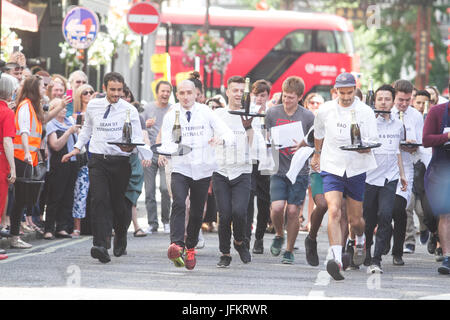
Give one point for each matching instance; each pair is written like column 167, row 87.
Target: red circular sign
column 143, row 18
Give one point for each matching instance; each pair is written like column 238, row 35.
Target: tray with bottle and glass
column 179, row 150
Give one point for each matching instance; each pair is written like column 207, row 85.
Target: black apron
column 437, row 176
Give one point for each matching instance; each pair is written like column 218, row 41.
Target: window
column 297, row 41
column 283, row 55
column 180, row 33
column 344, row 42
column 326, row 41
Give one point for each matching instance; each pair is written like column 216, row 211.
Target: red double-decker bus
column 271, row 45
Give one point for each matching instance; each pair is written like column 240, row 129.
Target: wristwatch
column 317, row 151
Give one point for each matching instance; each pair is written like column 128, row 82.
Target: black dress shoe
column 397, row 261
column 120, row 245
column 101, row 254
column 62, row 235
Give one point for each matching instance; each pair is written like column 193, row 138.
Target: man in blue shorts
column 343, row 171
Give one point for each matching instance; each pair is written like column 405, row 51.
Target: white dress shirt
column 390, row 133
column 413, row 121
column 332, row 124
column 204, row 124
column 234, row 160
column 100, row 131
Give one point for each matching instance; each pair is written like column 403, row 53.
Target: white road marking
column 48, row 249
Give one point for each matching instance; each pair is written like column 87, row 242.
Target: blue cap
column 345, row 80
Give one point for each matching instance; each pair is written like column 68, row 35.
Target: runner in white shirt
column 413, row 122
column 260, row 186
column 232, row 180
column 109, row 166
column 418, row 190
column 381, row 183
column 343, row 171
column 191, row 173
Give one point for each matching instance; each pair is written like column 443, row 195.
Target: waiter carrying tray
column 109, row 165
column 191, row 173
column 344, row 172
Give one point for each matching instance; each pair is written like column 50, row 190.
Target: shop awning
column 18, row 18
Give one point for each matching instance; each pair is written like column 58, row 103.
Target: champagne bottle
column 400, row 114
column 370, row 98
column 127, row 129
column 264, row 127
column 425, row 109
column 176, row 129
column 355, row 132
column 245, row 102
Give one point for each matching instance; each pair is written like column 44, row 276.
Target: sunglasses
column 16, row 68
column 85, row 93
column 80, row 81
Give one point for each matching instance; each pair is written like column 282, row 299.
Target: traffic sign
column 143, row 18
column 80, row 27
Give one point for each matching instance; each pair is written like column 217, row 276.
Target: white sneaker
column 167, row 228
column 150, row 230
column 18, row 243
column 201, row 240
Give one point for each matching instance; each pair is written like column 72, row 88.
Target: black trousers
column 108, row 179
column 211, row 209
column 377, row 209
column 232, row 202
column 60, row 186
column 198, row 191
column 26, row 196
column 260, row 189
column 399, row 217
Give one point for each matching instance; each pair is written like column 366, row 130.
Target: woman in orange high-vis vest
column 29, row 120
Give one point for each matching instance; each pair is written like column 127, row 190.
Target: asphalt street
column 63, row 269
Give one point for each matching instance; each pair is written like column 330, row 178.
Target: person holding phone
column 76, row 79
column 81, row 98
column 61, row 136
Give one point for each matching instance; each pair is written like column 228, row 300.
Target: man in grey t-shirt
column 153, row 115
column 282, row 191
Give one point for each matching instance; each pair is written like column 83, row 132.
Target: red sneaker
column 189, row 260
column 175, row 254
column 3, row 256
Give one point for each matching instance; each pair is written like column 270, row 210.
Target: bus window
column 283, row 55
column 297, row 41
column 239, row 34
column 344, row 42
column 325, row 41
column 180, row 33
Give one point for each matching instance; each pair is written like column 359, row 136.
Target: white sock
column 337, row 253
column 360, row 239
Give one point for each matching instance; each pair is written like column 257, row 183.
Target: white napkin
column 144, row 152
column 168, row 148
column 298, row 161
